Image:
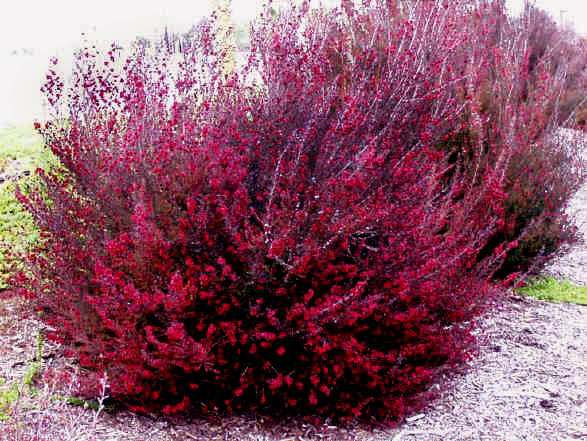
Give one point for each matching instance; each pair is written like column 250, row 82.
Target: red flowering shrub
column 290, row 236
column 534, row 68
column 525, row 76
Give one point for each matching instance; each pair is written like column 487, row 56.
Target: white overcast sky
column 58, row 23
column 50, row 27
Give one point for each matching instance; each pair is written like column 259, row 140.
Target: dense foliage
column 312, row 232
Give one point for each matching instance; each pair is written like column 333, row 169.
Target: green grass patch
column 552, row 290
column 21, row 149
column 88, row 404
column 17, row 229
column 9, row 393
column 22, row 144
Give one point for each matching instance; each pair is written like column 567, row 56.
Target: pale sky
column 49, row 27
column 574, row 11
column 57, row 23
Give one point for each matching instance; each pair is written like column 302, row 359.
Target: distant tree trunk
column 225, row 38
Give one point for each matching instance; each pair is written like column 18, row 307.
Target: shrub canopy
column 310, row 233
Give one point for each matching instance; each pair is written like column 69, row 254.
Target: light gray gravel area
column 528, row 383
column 572, row 264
